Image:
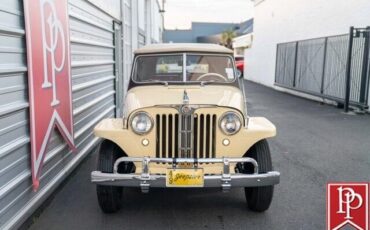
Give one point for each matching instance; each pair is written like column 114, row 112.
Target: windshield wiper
column 156, row 81
column 203, row 83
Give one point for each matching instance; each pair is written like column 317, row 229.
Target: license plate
column 184, row 177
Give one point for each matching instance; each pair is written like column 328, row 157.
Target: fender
column 113, row 129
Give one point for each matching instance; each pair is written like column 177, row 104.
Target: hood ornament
column 185, row 109
column 185, row 98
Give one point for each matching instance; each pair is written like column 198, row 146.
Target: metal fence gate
column 318, row 67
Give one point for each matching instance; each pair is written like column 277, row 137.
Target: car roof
column 183, row 47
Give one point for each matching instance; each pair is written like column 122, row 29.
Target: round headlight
column 230, row 123
column 141, row 123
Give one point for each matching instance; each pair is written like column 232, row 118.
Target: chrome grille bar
column 191, row 135
column 167, row 126
column 210, row 136
column 204, row 136
column 185, row 134
column 214, row 129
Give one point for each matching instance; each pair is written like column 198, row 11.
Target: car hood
column 147, row 96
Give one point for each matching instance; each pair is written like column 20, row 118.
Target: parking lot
column 315, row 144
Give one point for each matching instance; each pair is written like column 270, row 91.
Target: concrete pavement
column 315, row 143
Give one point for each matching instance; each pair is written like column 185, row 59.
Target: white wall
column 135, row 24
column 141, row 14
column 111, row 7
column 157, row 23
column 137, row 14
column 277, row 21
column 148, row 20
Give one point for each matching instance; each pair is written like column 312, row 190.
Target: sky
column 180, row 13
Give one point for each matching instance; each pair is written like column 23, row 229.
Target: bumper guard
column 145, row 180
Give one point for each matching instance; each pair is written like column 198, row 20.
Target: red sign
column 348, row 206
column 49, row 77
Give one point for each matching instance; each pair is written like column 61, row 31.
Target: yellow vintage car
column 185, row 125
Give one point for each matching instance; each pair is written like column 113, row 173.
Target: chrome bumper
column 145, row 180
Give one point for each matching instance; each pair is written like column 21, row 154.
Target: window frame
column 184, row 55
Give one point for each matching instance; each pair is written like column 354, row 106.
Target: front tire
column 259, row 198
column 110, row 197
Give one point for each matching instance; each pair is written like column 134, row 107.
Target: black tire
column 259, row 198
column 109, row 197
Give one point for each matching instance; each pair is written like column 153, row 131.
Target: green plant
column 227, row 38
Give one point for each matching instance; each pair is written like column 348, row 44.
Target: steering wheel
column 211, row 74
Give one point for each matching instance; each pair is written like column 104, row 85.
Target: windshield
column 170, row 68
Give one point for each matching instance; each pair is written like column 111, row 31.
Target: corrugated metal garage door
column 93, row 86
column 15, row 177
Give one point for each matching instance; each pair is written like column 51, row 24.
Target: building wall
column 157, row 28
column 201, row 29
column 127, row 40
column 277, row 21
column 143, row 24
column 112, row 7
column 178, row 36
column 100, row 40
column 141, row 14
column 241, row 43
column 198, row 29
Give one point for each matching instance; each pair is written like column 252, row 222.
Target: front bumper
column 225, row 180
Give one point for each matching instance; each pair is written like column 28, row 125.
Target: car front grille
column 190, row 135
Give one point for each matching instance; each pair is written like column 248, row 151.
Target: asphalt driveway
column 315, row 144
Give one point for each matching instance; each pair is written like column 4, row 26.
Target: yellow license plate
column 184, row 177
